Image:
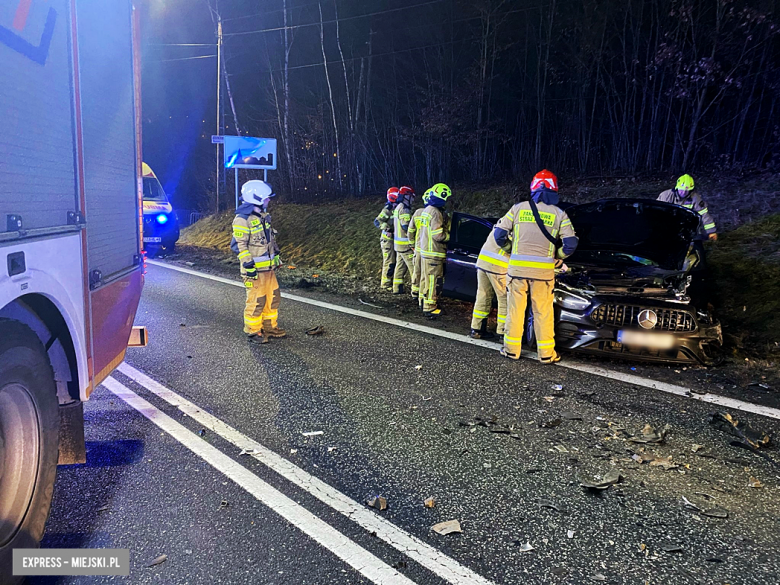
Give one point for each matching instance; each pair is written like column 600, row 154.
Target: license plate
column 649, row 340
column 153, row 240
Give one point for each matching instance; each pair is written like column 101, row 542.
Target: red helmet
column 392, row 195
column 544, row 180
column 405, row 190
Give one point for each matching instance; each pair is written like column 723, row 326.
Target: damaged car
column 635, row 287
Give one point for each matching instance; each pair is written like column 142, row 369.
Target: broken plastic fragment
column 313, row 433
column 249, row 452
column 377, row 502
column 665, row 462
column 754, row 483
column 158, row 561
column 445, row 528
column 609, row 478
column 725, row 422
column 648, row 434
column 429, row 502
column 318, row 330
column 570, row 534
column 418, row 367
column 671, row 548
column 526, row 547
column 557, row 387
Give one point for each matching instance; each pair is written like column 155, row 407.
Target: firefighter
column 384, row 221
column 402, row 215
column 541, row 235
column 492, row 265
column 683, row 195
column 433, row 234
column 254, row 240
column 414, row 225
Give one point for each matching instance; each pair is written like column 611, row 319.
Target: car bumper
column 156, row 234
column 577, row 331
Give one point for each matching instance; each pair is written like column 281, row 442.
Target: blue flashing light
column 162, row 219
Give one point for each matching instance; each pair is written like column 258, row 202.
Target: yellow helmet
column 438, row 194
column 685, row 183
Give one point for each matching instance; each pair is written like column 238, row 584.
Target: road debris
column 557, row 387
column 158, row 561
column 671, row 548
column 362, row 302
column 665, row 462
column 754, row 483
column 725, row 422
column 559, row 571
column 569, row 534
column 551, row 424
column 202, row 433
column 550, row 504
column 103, row 509
column 649, row 434
column 418, row 367
column 429, row 502
column 313, row 433
column 598, row 577
column 378, row 502
column 249, row 452
column 567, row 415
column 711, row 512
column 332, row 449
column 223, row 504
column 611, row 477
column 318, row 330
column 697, row 448
column 561, row 449
column 524, row 547
column 445, row 528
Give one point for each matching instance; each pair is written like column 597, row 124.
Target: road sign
column 247, row 152
column 217, row 139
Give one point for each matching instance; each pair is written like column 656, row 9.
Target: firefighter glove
column 251, row 270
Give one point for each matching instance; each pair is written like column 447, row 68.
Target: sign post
column 248, row 152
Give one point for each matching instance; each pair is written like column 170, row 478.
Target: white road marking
column 579, row 366
column 417, row 550
column 354, row 555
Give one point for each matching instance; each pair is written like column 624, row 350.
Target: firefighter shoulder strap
column 535, row 210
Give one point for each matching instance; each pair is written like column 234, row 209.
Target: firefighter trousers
column 489, row 286
column 403, row 266
column 541, row 293
column 388, row 262
column 416, row 268
column 431, row 281
column 262, row 302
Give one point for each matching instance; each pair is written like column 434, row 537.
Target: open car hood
column 632, row 232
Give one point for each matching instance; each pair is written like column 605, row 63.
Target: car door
column 467, row 235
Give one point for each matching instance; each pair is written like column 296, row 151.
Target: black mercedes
column 635, row 287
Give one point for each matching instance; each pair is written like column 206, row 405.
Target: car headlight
column 571, row 301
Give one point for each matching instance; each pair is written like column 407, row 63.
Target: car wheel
column 29, row 441
column 529, row 335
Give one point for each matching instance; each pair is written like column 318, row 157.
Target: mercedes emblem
column 647, row 319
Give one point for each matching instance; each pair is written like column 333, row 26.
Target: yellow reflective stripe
column 263, row 264
column 480, row 313
column 272, row 315
column 512, row 340
column 387, row 236
column 549, row 343
column 502, row 318
column 253, row 320
column 709, row 226
column 703, row 211
column 438, row 231
column 244, row 254
column 491, row 260
column 240, row 228
column 426, row 254
column 528, row 264
column 565, row 223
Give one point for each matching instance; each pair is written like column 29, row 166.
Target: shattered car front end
column 636, row 286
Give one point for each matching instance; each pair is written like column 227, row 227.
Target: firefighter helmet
column 392, row 195
column 256, row 192
column 685, row 184
column 544, row 180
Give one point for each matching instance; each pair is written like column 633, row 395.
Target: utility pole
column 219, row 83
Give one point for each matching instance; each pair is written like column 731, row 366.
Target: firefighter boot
column 273, row 331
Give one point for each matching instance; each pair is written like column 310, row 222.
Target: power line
column 185, row 58
column 296, row 26
column 182, row 45
column 266, row 12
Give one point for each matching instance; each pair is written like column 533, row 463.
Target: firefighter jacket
column 433, row 233
column 254, row 238
column 492, row 257
column 414, row 228
column 384, row 221
column 694, row 203
column 402, row 215
column 533, row 255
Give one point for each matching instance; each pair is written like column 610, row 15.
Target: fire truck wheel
column 29, row 441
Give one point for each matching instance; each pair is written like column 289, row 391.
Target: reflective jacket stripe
column 497, row 259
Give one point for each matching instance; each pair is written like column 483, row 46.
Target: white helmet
column 256, row 192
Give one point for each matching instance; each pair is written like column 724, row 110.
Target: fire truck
column 71, row 265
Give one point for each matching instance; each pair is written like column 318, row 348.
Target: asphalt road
column 405, row 415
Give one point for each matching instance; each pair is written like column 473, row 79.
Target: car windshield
column 153, row 191
column 633, row 232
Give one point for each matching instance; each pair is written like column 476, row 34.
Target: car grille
column 626, row 315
